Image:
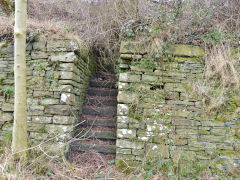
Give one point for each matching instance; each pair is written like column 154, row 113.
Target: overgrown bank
column 168, row 122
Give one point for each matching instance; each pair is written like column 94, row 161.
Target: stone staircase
column 97, row 124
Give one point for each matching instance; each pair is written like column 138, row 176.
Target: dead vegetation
column 221, row 77
column 103, row 24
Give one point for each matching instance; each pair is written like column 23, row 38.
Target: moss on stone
column 126, row 167
column 186, row 50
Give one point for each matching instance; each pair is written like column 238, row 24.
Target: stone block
column 40, row 45
column 62, row 45
column 36, row 127
column 58, row 129
column 221, row 131
column 122, row 85
column 63, row 120
column 64, row 57
column 58, row 109
column 49, row 101
column 123, row 151
column 129, row 144
column 122, row 109
column 128, row 77
column 69, row 67
column 130, row 47
column 149, row 78
column 67, row 98
column 157, row 150
column 126, row 133
column 136, row 68
column 127, row 97
column 6, row 117
column 126, row 56
column 178, row 87
column 212, row 138
column 39, row 55
column 186, row 50
column 7, row 107
column 66, row 75
column 38, row 136
column 41, row 119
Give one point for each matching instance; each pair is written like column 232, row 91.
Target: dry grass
column 221, row 76
column 103, row 24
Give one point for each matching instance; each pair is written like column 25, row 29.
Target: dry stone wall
column 160, row 116
column 57, row 80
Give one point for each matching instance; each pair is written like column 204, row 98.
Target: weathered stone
column 126, row 56
column 156, row 150
column 128, row 77
column 123, row 66
column 67, row 98
column 64, row 57
column 49, row 101
column 40, row 45
column 149, row 78
column 186, row 50
column 38, row 136
column 122, row 85
column 64, row 45
column 129, row 144
column 42, row 93
column 6, row 117
column 66, row 75
column 39, row 55
column 136, row 68
column 126, row 97
column 63, row 120
column 128, row 47
column 122, row 109
column 123, row 151
column 7, row 107
column 69, row 67
column 126, row 133
column 58, row 109
column 41, row 119
column 36, row 127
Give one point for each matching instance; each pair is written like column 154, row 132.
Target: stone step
column 95, row 134
column 102, row 84
column 101, row 100
column 102, row 92
column 100, row 148
column 107, row 111
column 97, row 121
